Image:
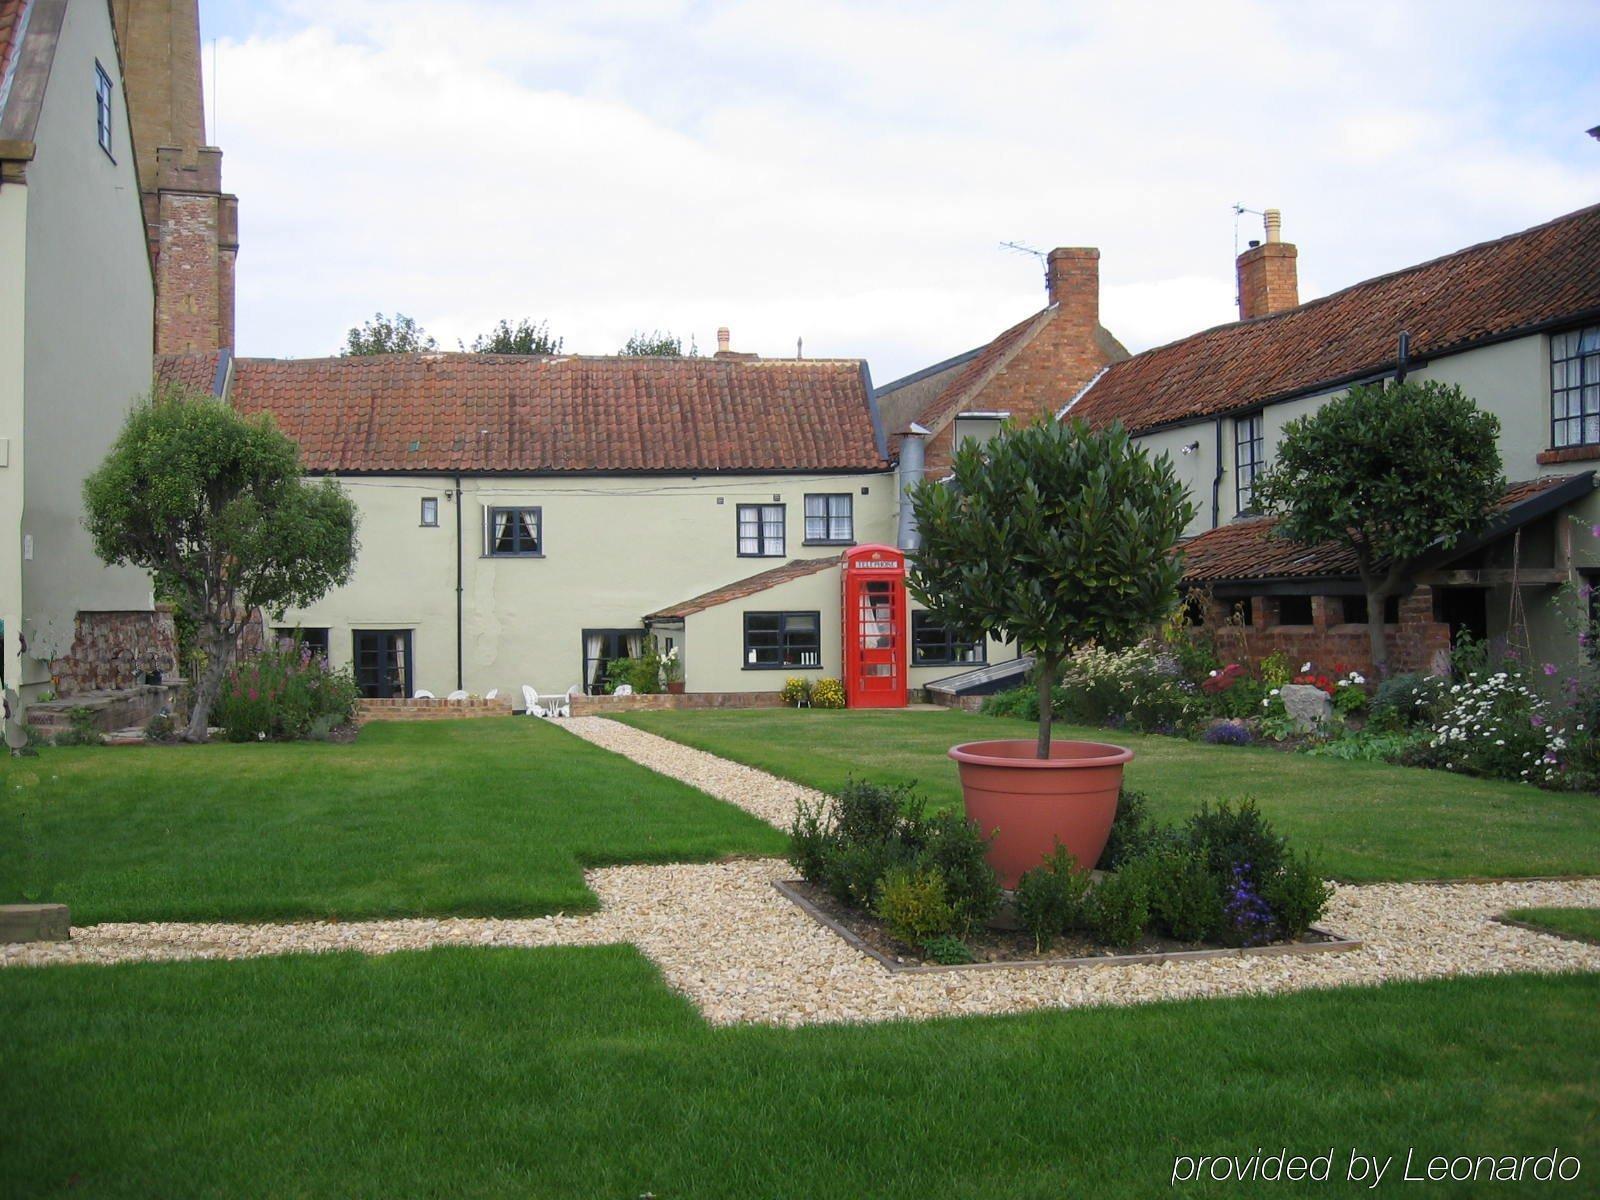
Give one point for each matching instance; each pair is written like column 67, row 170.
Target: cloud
column 844, row 173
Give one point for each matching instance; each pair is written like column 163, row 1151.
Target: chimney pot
column 1273, row 219
column 724, row 340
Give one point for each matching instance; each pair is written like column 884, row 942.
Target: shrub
column 1227, row 733
column 642, row 674
column 1493, row 724
column 1050, row 898
column 1367, row 746
column 876, row 812
column 795, row 691
column 1350, row 694
column 1296, row 895
column 912, row 903
column 956, row 847
column 827, row 693
column 161, row 728
column 1119, row 907
column 281, row 693
column 1021, row 703
column 1228, row 836
column 1132, row 832
column 81, row 730
column 1137, row 687
column 1406, row 701
column 1185, row 894
column 947, row 950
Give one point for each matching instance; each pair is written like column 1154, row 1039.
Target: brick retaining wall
column 116, row 650
column 600, row 706
column 438, row 709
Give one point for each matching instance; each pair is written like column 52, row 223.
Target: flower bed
column 916, row 889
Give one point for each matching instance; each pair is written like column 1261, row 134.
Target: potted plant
column 1052, row 536
column 672, row 671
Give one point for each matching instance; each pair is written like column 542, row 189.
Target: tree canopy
column 522, row 338
column 385, row 335
column 215, row 506
column 1388, row 471
column 658, row 345
column 1052, row 535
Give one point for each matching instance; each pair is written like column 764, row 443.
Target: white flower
column 1305, row 667
column 1274, row 692
column 1214, row 674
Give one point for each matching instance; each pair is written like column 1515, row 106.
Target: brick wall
column 600, row 706
column 1416, row 642
column 1268, row 280
column 112, row 650
column 438, row 709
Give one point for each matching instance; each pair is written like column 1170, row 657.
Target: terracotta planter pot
column 1070, row 797
column 675, row 687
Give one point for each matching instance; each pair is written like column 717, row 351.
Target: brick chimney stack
column 1268, row 278
column 1072, row 277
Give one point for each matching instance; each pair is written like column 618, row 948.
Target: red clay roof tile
column 795, row 568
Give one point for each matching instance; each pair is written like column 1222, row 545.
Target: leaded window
column 830, row 517
column 515, row 532
column 1575, row 387
column 761, row 531
column 1249, row 457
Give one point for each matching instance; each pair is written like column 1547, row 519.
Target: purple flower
column 1595, row 530
column 1549, row 668
column 1248, row 912
column 1586, row 590
column 1537, row 721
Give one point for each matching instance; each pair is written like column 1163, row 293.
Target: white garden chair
column 456, row 697
column 422, row 694
column 530, row 702
column 625, row 689
column 492, row 694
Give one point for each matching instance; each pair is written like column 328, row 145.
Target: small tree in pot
column 1051, row 536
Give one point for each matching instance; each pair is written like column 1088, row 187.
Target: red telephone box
column 874, row 627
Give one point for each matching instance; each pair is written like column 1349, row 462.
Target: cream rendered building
column 76, row 303
column 521, row 518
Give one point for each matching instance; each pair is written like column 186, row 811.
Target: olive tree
column 1051, row 535
column 214, row 505
column 1387, row 472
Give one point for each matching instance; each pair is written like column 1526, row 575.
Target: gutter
column 1216, row 480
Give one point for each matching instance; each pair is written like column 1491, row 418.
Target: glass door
column 383, row 663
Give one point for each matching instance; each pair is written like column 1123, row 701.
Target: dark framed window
column 830, row 518
column 761, row 530
column 314, row 640
column 514, row 532
column 774, row 640
column 383, row 662
column 1249, row 457
column 102, row 107
column 602, row 647
column 430, row 510
column 1575, row 387
column 934, row 645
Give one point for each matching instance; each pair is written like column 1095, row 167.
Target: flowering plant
column 1493, row 724
column 285, row 692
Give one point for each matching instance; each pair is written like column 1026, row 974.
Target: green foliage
column 1021, row 703
column 956, row 847
column 384, row 335
column 1186, row 895
column 285, row 693
column 1135, row 687
column 215, row 507
column 1118, row 910
column 1297, row 895
column 947, row 950
column 1406, row 701
column 1133, row 833
column 1050, row 898
column 795, row 690
column 912, row 903
column 657, row 344
column 81, row 729
column 1369, row 746
column 522, row 338
column 1052, row 535
column 827, row 693
column 1349, row 699
column 1274, row 671
column 1231, row 835
column 643, row 674
column 161, row 729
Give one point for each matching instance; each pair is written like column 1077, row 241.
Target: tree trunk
column 1045, row 672
column 219, row 647
column 1380, row 649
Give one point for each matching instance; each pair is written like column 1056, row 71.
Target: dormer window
column 1575, row 387
column 102, row 107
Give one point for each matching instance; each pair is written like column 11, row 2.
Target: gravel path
column 722, row 936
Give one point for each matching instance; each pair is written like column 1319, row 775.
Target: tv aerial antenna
column 1039, row 255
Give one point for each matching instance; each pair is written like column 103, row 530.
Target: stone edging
column 1531, row 927
column 786, row 888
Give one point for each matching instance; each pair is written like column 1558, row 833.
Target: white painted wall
column 86, row 336
column 13, row 289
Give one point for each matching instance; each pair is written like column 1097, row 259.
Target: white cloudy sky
column 844, row 172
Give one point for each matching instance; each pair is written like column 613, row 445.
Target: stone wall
column 430, row 709
column 1416, row 642
column 113, row 650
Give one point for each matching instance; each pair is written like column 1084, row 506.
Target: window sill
column 829, row 542
column 780, row 554
column 1568, row 454
column 491, row 556
column 949, row 662
column 781, row 667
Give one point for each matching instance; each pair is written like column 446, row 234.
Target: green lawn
column 1364, row 821
column 574, row 1072
column 1581, row 923
column 486, row 817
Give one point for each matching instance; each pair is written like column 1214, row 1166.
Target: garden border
column 1502, row 919
column 787, row 889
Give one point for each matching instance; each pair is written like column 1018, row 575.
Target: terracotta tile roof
column 1545, row 274
column 197, row 371
column 795, row 568
column 481, row 412
column 1249, row 549
column 10, row 22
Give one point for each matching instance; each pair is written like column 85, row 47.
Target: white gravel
column 722, row 936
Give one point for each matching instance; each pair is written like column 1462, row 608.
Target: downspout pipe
column 460, row 673
column 912, row 467
column 1216, row 479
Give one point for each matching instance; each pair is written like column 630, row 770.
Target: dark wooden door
column 383, row 662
